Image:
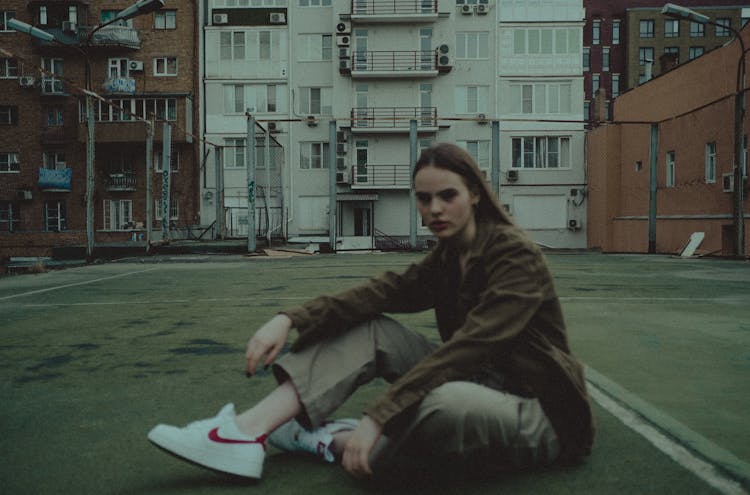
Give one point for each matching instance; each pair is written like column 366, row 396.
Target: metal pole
column 90, row 147
column 166, row 164
column 218, row 200
column 332, row 204
column 495, row 174
column 739, row 182
column 250, row 158
column 412, row 194
column 267, row 189
column 149, row 169
column 652, row 188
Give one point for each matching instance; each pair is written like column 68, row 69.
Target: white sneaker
column 292, row 437
column 215, row 443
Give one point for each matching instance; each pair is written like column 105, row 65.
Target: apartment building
column 141, row 69
column 372, row 66
column 621, row 35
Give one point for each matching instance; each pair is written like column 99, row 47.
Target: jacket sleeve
column 387, row 293
column 514, row 292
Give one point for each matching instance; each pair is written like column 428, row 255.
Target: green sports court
column 92, row 357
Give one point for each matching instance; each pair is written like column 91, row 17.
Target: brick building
column 143, row 68
column 620, row 34
column 692, row 109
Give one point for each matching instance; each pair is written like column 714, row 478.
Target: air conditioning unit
column 341, row 148
column 482, row 119
column 467, row 9
column 443, row 49
column 340, row 163
column 311, row 120
column 485, row 2
column 343, row 40
column 345, row 65
column 274, row 127
column 136, row 65
column 345, row 52
column 482, row 9
column 443, row 61
column 341, row 137
column 24, row 194
column 511, row 175
column 26, row 81
column 221, row 18
column 574, row 224
column 727, row 182
column 277, row 18
column 69, row 27
column 344, row 27
column 342, row 177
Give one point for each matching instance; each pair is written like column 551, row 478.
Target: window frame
column 118, row 211
column 7, row 161
column 165, row 60
column 671, row 28
column 670, row 169
column 308, row 161
column 723, row 27
column 692, row 52
column 8, row 115
column 60, row 220
column 10, row 214
column 476, row 41
column 596, row 31
column 710, row 171
column 7, row 69
column 165, row 15
column 519, row 162
column 650, row 28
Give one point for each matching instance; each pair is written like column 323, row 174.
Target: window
column 54, row 116
column 546, row 41
column 724, row 25
column 52, row 75
column 8, row 68
column 54, row 216
column 615, row 85
column 479, row 151
column 174, row 209
column 673, row 50
column 158, row 158
column 232, row 45
column 616, row 32
column 108, row 15
column 695, row 51
column 711, row 162
column 605, row 59
column 234, row 153
column 9, row 163
column 671, row 28
column 596, row 31
column 73, row 13
column 594, row 83
column 586, row 110
column 118, row 67
column 315, row 101
column 586, row 59
column 5, row 16
column 10, row 216
column 646, row 28
column 165, row 66
column 472, row 45
column 541, row 98
column 314, row 3
column 541, row 152
column 54, row 160
column 8, row 115
column 165, row 19
column 43, row 15
column 472, row 99
column 313, row 155
column 256, row 98
column 670, row 169
column 118, row 214
column 697, row 30
column 161, row 108
column 645, row 54
column 314, row 47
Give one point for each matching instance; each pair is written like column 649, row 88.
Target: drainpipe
column 332, row 205
column 412, row 194
column 652, row 189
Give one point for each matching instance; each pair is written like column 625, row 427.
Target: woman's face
column 446, row 204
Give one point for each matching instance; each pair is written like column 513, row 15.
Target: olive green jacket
column 501, row 314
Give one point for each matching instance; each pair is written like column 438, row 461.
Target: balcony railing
column 121, row 182
column 393, row 7
column 55, row 179
column 115, row 36
column 392, row 119
column 418, row 63
column 58, row 134
column 372, row 176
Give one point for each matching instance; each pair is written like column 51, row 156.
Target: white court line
column 40, row 291
column 704, row 470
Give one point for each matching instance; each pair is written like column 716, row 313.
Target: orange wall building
column 690, row 112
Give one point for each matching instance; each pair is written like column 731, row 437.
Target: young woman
column 503, row 387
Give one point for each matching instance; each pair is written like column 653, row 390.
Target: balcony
column 53, row 87
column 121, row 182
column 55, row 180
column 372, row 176
column 119, row 85
column 58, row 134
column 393, row 120
column 392, row 64
column 73, row 35
column 388, row 11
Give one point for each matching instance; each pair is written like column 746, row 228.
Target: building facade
column 687, row 117
column 621, row 35
column 373, row 67
column 140, row 69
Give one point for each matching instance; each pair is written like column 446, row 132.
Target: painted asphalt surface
column 92, row 357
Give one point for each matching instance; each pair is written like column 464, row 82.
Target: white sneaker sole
column 165, row 437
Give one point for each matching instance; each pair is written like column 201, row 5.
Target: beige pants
column 458, row 421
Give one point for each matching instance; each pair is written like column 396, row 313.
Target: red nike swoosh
column 214, row 436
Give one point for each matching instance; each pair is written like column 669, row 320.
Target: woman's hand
column 356, row 457
column 267, row 343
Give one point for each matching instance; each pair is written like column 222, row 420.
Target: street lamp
column 679, row 12
column 139, row 8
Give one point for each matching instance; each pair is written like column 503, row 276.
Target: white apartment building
column 454, row 66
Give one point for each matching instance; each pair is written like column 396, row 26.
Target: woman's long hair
column 454, row 159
